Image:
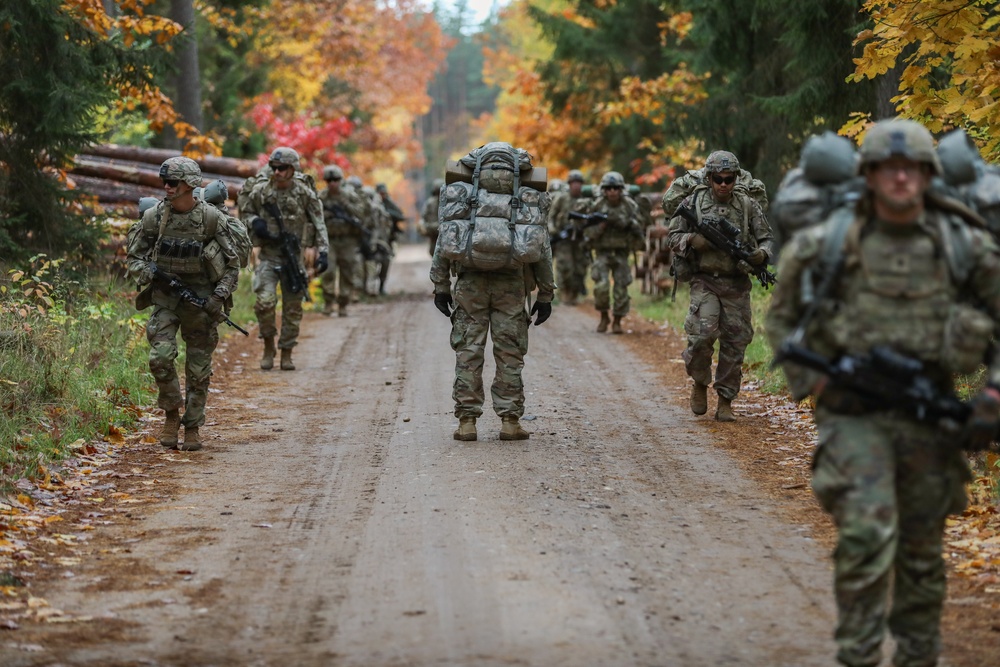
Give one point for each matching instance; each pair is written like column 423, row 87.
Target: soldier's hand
column 444, row 303
column 544, row 310
column 322, row 263
column 213, row 307
column 981, row 427
column 259, row 227
column 698, row 242
column 757, row 257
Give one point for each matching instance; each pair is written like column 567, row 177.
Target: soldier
column 571, row 253
column 720, row 286
column 899, row 272
column 612, row 241
column 283, row 204
column 342, row 212
column 429, row 216
column 396, row 216
column 171, row 243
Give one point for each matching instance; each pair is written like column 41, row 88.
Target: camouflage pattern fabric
column 612, row 242
column 608, row 266
column 572, row 256
column 887, row 479
column 720, row 311
column 429, row 216
column 340, row 279
column 266, row 279
column 200, row 336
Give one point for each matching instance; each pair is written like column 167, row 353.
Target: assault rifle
column 883, row 379
column 725, row 236
column 571, row 231
column 293, row 274
column 175, row 285
column 340, row 213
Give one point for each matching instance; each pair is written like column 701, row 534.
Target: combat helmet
column 899, row 137
column 959, row 158
column 575, row 175
column 355, row 182
column 216, row 192
column 284, row 156
column 829, row 158
column 182, row 169
column 332, row 172
column 612, row 179
column 381, row 188
column 719, row 161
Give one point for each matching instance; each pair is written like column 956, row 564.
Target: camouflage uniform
column 613, row 242
column 720, row 287
column 429, row 215
column 572, row 255
column 491, row 301
column 344, row 240
column 170, row 314
column 301, row 215
column 887, row 479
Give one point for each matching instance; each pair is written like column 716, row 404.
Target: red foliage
column 315, row 138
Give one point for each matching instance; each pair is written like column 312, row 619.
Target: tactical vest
column 294, row 217
column 334, row 210
column 712, row 260
column 621, row 228
column 183, row 243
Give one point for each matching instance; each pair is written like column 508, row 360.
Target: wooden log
column 114, row 191
column 227, row 166
column 139, row 174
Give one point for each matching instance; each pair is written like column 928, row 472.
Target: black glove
column 444, row 303
column 544, row 310
column 213, row 307
column 981, row 427
column 259, row 226
column 322, row 263
column 757, row 257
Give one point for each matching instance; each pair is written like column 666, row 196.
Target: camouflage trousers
column 611, row 265
column 889, row 483
column 494, row 303
column 200, row 336
column 340, row 280
column 266, row 279
column 720, row 311
column 572, row 263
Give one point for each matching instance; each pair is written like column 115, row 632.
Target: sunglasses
column 613, row 187
column 281, row 167
column 335, row 180
column 723, row 180
column 171, row 182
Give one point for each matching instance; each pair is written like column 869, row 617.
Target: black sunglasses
column 281, row 167
column 335, row 179
column 172, row 182
column 723, row 180
column 613, row 187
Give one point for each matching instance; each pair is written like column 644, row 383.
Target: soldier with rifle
column 285, row 216
column 719, row 236
column 342, row 212
column 572, row 255
column 878, row 308
column 182, row 253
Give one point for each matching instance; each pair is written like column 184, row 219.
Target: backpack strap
column 473, row 205
column 210, row 218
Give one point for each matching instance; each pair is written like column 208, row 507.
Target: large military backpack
column 494, row 222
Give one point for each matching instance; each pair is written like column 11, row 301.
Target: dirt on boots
column 616, row 326
column 602, row 327
column 192, row 441
column 267, row 361
column 286, row 359
column 466, row 429
column 724, row 411
column 511, row 430
column 171, row 425
column 699, row 399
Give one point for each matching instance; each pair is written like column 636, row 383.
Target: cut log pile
column 118, row 176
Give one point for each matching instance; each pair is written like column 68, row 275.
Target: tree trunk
column 226, row 166
column 187, row 98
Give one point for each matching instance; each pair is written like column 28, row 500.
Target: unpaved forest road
column 332, row 520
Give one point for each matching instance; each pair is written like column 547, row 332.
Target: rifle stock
column 726, row 237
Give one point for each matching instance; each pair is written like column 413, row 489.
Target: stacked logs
column 118, row 176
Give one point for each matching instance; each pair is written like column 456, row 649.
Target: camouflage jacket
column 301, row 214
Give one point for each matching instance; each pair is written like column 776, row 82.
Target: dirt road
column 332, row 520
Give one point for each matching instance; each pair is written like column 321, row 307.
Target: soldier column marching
column 902, row 270
column 572, row 254
column 720, row 284
column 282, row 202
column 170, row 244
column 429, row 214
column 342, row 213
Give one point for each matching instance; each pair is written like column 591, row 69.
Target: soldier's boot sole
column 511, row 430
column 602, row 327
column 466, row 431
column 724, row 411
column 192, row 441
column 286, row 360
column 267, row 360
column 171, row 427
column 616, row 326
column 699, row 399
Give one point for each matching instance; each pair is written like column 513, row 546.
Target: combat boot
column 466, row 429
column 286, row 359
column 616, row 326
column 511, row 429
column 267, row 361
column 699, row 399
column 605, row 321
column 192, row 442
column 724, row 411
column 171, row 425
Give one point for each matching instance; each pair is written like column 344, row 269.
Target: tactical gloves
column 322, row 263
column 981, row 427
column 213, row 307
column 757, row 257
column 544, row 310
column 259, row 227
column 444, row 303
column 698, row 242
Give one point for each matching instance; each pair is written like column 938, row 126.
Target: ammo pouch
column 681, row 268
column 180, row 256
column 215, row 260
column 967, row 336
